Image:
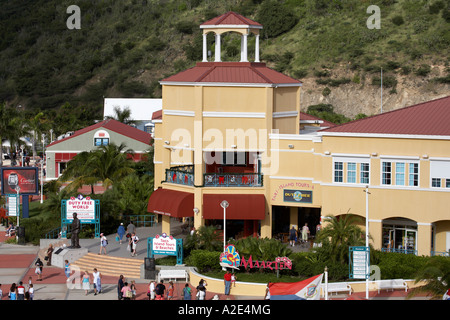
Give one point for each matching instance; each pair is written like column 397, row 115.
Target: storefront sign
column 301, row 196
column 164, row 244
column 83, row 207
column 24, row 179
column 231, row 259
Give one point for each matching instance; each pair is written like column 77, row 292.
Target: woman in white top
column 134, row 241
column 103, row 243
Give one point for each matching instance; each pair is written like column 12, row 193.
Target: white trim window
column 364, row 173
column 413, row 180
column 440, row 173
column 338, row 171
column 386, row 173
column 351, row 172
column 400, row 173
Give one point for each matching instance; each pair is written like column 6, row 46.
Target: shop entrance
column 400, row 236
column 281, row 220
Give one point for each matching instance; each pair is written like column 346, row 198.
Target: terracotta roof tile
column 427, row 118
column 112, row 125
column 232, row 72
column 230, row 18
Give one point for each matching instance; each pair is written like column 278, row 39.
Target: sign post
column 165, row 245
column 87, row 210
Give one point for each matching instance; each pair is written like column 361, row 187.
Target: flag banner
column 308, row 289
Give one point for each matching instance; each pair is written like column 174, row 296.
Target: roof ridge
column 224, row 16
column 206, row 73
column 260, row 74
column 384, row 113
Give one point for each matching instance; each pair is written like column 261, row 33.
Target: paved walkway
column 17, row 264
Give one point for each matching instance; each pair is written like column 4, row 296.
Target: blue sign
column 359, row 265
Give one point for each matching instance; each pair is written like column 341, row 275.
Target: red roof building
column 431, row 118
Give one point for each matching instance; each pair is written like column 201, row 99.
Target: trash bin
column 150, row 268
column 21, row 235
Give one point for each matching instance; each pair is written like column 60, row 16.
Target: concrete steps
column 110, row 266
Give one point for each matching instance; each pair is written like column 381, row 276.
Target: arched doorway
column 400, row 235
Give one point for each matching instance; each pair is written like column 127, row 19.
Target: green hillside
column 125, row 47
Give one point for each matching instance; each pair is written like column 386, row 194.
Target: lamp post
column 367, row 239
column 224, row 204
column 18, row 212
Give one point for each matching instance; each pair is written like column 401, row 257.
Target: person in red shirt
column 227, row 282
column 20, row 291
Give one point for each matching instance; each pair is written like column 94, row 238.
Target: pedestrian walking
column 305, row 232
column 151, row 290
column 86, row 283
column 120, row 232
column 133, row 242
column 201, row 294
column 39, row 266
column 20, row 291
column 292, row 236
column 159, row 290
column 30, row 292
column 97, row 281
column 131, row 228
column 133, row 290
column 12, row 294
column 227, row 282
column 48, row 257
column 187, row 292
column 170, row 291
column 67, row 268
column 126, row 292
column 120, row 285
column 103, row 243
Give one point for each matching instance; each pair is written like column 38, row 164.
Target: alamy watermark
column 74, row 21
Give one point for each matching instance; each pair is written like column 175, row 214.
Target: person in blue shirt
column 120, row 232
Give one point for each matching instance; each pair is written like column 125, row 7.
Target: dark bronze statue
column 75, row 241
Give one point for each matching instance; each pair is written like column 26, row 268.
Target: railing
column 232, row 180
column 440, row 253
column 140, row 220
column 405, row 251
column 181, row 175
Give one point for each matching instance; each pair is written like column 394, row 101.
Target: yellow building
column 234, row 131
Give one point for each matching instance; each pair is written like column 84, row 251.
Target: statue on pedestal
column 75, row 241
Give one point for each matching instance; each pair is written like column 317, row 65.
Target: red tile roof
column 427, row 118
column 112, row 125
column 230, row 18
column 232, row 72
column 157, row 115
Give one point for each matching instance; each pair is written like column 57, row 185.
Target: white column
column 244, row 48
column 257, row 48
column 217, row 53
column 205, row 56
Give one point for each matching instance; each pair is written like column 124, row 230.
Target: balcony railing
column 181, row 175
column 232, row 180
column 406, row 251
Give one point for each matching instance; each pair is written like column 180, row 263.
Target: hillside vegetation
column 125, row 47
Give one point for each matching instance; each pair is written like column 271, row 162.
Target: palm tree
column 206, row 238
column 107, row 165
column 339, row 234
column 123, row 116
column 11, row 127
column 436, row 276
column 38, row 124
column 132, row 193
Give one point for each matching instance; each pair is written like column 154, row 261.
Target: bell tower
column 231, row 22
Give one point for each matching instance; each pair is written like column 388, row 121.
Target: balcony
column 232, row 180
column 184, row 175
column 181, row 175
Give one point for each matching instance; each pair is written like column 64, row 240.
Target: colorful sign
column 300, row 196
column 26, row 178
column 164, row 244
column 230, row 258
column 83, row 207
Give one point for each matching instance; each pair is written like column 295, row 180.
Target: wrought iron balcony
column 181, row 175
column 232, row 180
